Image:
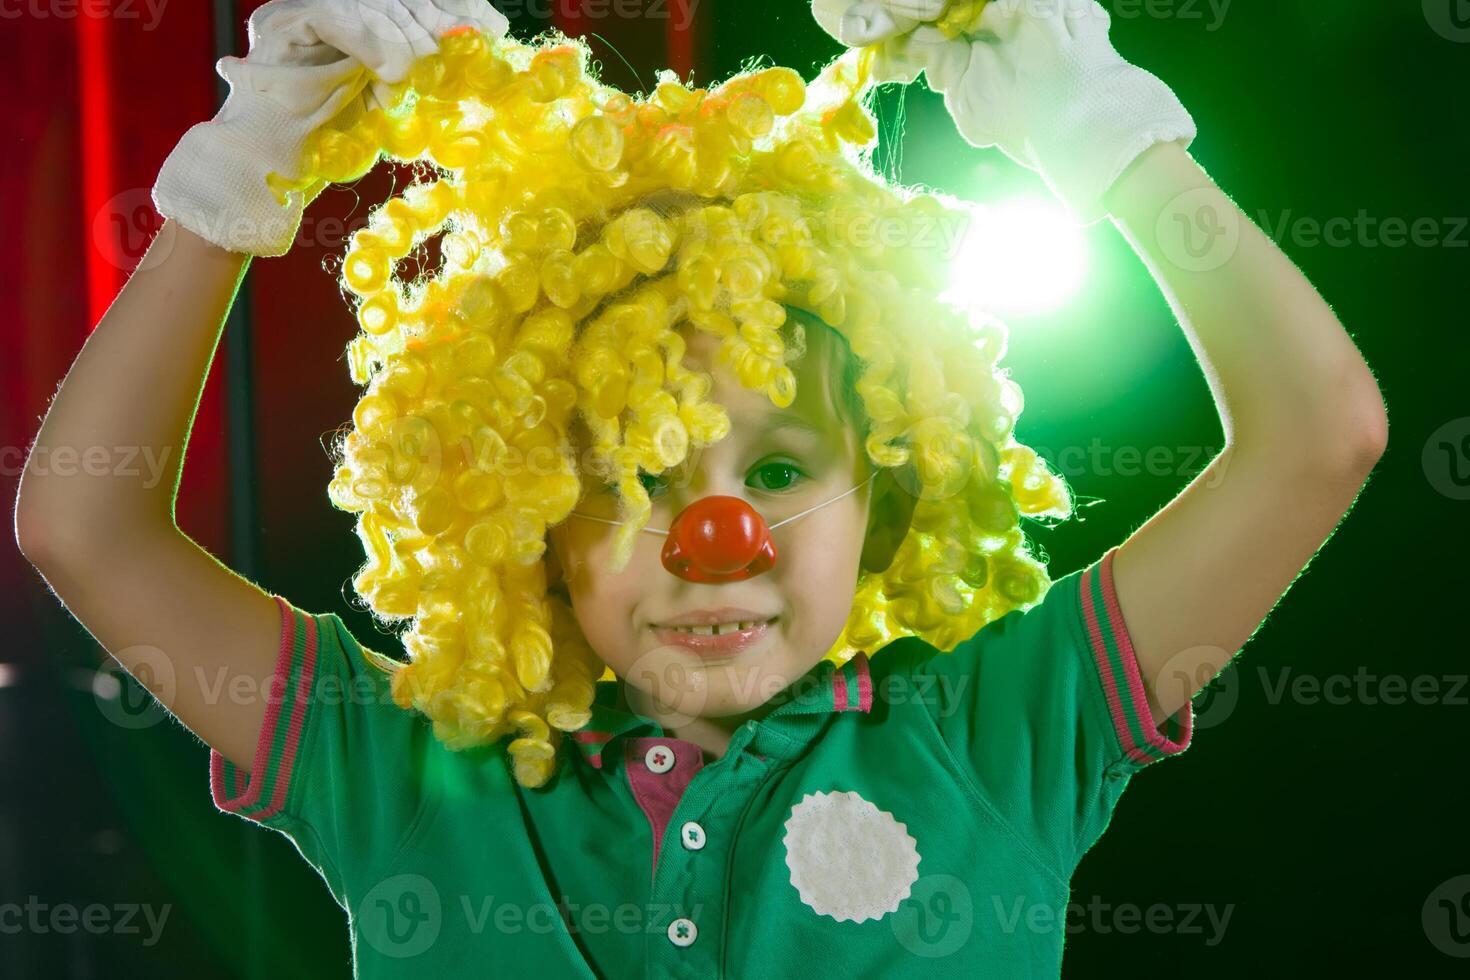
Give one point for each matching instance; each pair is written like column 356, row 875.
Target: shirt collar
column 826, row 688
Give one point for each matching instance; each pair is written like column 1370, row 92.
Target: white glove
column 858, row 23
column 308, row 61
column 1038, row 78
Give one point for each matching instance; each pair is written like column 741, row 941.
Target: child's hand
column 309, row 60
column 858, row 23
column 1038, row 78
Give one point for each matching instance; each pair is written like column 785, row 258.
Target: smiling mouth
column 715, row 639
column 718, row 629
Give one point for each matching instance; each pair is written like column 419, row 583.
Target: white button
column 692, row 836
column 659, row 758
column 682, row 932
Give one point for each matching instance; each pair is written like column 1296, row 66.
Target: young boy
column 731, row 801
column 732, row 811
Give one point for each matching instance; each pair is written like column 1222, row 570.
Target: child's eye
column 778, row 476
column 770, row 477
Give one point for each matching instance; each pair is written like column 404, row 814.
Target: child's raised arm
column 1303, row 419
column 103, row 533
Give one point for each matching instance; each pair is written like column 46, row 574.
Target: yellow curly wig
column 557, row 297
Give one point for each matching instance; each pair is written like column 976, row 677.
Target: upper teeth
column 717, row 628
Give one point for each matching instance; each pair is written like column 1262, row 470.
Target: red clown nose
column 718, row 539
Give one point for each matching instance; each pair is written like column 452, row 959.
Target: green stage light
column 1018, row 256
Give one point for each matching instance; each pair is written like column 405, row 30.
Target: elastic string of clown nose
column 722, row 538
column 786, row 520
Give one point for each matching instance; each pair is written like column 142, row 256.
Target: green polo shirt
column 907, row 814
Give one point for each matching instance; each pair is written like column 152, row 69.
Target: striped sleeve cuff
column 1122, row 684
column 260, row 794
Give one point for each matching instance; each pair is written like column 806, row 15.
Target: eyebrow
column 775, row 422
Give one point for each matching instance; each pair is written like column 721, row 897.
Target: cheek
column 603, row 601
column 818, row 563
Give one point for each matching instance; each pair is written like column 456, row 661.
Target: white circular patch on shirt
column 849, row 859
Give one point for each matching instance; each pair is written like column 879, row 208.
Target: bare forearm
column 111, row 447
column 1287, row 379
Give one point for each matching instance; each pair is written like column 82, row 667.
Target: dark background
column 1328, row 827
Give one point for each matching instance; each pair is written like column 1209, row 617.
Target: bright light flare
column 1017, row 257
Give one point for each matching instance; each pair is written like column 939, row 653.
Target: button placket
column 695, row 887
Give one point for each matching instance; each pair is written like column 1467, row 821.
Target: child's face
column 807, row 595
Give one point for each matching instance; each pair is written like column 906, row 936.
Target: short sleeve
column 338, row 765
column 1046, row 709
